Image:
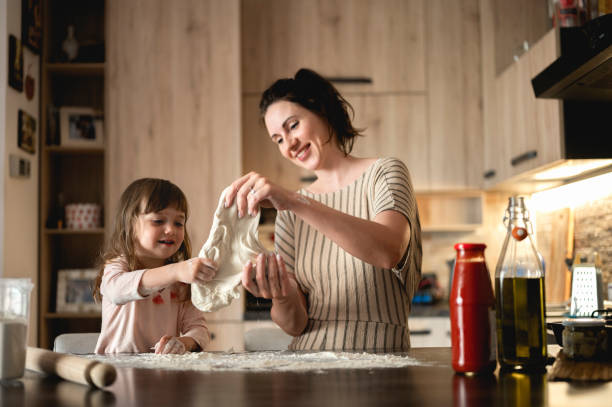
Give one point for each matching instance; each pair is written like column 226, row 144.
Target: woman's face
column 301, row 136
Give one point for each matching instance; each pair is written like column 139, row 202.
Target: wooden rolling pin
column 70, row 367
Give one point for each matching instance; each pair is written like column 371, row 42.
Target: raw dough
column 232, row 242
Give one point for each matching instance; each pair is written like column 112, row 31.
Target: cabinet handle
column 489, row 174
column 524, row 157
column 421, row 332
column 350, row 79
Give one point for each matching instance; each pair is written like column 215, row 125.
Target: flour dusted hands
column 197, row 270
column 253, row 190
column 268, row 278
column 170, row 344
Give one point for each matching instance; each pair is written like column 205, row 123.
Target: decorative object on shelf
column 52, row 125
column 26, row 132
column 30, row 84
column 70, row 45
column 57, row 218
column 31, row 24
column 75, row 291
column 83, row 216
column 80, row 127
column 15, row 59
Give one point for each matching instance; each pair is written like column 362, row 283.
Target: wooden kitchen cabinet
column 343, row 38
column 68, row 173
column 394, row 127
column 427, row 332
column 454, row 134
column 225, row 336
column 521, row 132
column 536, row 139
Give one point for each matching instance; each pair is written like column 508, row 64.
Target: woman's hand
column 253, row 190
column 288, row 301
column 197, row 270
column 268, row 278
column 170, row 344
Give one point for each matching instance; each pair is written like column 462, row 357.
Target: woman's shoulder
column 385, row 165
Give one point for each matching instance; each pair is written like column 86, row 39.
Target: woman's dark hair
column 315, row 93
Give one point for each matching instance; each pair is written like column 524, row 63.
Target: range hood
column 584, row 69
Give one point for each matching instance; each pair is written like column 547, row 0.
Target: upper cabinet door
column 378, row 39
column 394, row 126
column 454, row 94
column 543, row 117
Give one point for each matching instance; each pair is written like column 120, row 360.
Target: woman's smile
column 302, row 154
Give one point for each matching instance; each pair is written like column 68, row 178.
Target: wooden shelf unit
column 77, row 173
column 450, row 211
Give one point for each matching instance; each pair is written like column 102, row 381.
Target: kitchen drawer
column 429, row 332
column 226, row 336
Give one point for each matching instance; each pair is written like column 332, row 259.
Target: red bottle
column 472, row 312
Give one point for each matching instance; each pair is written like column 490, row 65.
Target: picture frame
column 26, row 132
column 81, row 127
column 15, row 61
column 31, row 24
column 75, row 291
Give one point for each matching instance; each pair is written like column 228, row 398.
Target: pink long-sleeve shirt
column 132, row 323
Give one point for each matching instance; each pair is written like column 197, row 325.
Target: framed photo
column 31, row 24
column 81, row 127
column 26, row 138
column 75, row 291
column 15, row 62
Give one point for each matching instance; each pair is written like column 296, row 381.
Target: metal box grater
column 587, row 290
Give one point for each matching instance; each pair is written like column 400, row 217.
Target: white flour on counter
column 260, row 361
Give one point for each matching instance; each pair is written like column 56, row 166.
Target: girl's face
column 302, row 136
column 158, row 235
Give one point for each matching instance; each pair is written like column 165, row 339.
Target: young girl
column 145, row 274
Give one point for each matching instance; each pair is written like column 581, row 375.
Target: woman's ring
column 252, row 190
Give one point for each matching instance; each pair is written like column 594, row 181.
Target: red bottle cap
column 470, row 246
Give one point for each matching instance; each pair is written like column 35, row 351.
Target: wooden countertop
column 435, row 385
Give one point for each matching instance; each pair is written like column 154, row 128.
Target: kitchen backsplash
column 593, row 230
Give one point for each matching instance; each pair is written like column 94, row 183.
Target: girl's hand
column 253, row 190
column 271, row 284
column 196, row 270
column 170, row 344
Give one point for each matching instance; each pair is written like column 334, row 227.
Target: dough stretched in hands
column 232, row 242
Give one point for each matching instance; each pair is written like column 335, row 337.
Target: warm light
column 573, row 195
column 570, row 168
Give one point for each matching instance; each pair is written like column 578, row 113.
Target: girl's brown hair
column 142, row 196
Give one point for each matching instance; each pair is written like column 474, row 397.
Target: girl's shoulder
column 117, row 262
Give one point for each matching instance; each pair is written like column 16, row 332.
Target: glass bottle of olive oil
column 519, row 292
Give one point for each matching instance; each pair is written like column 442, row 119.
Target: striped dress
column 353, row 305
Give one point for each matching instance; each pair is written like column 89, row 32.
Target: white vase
column 70, row 44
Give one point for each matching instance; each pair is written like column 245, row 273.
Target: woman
column 349, row 245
